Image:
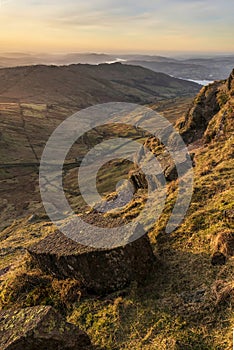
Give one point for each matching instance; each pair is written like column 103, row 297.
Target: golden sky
column 117, row 26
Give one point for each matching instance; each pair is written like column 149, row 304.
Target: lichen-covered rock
column 39, row 328
column 99, row 270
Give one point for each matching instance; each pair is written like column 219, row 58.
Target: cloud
column 102, row 13
column 197, row 21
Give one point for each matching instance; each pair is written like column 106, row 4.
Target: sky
column 147, row 26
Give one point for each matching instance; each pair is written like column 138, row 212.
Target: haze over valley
column 203, row 68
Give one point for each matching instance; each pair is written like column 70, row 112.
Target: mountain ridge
column 87, row 84
column 194, row 68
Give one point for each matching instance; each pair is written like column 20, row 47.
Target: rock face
column 99, row 271
column 39, row 328
column 211, row 114
column 205, row 106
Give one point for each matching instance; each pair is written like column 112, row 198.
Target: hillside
column 34, row 101
column 84, row 85
column 177, row 69
column 186, row 302
column 195, row 290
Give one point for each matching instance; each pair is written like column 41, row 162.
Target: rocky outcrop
column 211, row 116
column 196, row 120
column 167, row 170
column 230, row 82
column 39, row 328
column 139, row 180
column 211, row 112
column 100, row 271
column 221, row 126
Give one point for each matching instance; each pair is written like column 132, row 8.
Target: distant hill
column 214, row 68
column 83, row 85
column 13, row 59
column 9, row 59
column 179, row 69
column 194, row 68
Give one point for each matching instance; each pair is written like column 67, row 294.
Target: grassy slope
column 185, row 303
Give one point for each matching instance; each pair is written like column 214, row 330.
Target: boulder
column 100, row 271
column 39, row 328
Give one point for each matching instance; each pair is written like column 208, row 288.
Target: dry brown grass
column 223, row 292
column 26, row 286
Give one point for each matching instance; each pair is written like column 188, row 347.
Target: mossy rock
column 39, row 327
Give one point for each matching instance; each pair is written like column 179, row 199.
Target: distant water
column 201, row 82
column 116, row 61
